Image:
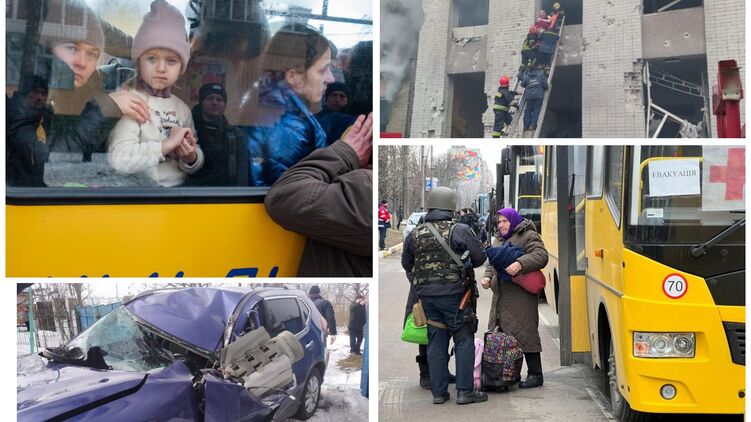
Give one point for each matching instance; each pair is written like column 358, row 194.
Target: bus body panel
column 603, row 249
column 696, row 379
column 549, row 217
column 166, row 240
column 604, row 245
column 579, row 318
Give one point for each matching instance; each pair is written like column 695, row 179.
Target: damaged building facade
column 607, row 52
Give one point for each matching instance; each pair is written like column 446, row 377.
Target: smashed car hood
column 197, row 316
column 54, row 388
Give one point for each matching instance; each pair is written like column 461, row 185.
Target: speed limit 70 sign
column 675, row 286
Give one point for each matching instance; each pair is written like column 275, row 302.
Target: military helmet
column 441, row 198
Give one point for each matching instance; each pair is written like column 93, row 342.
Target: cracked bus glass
column 143, row 134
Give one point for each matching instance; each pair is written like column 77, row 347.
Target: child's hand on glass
column 177, row 134
column 186, row 149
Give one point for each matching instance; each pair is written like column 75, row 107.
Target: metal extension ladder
column 514, row 132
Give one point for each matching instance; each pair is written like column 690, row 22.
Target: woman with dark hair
column 513, row 309
column 295, row 73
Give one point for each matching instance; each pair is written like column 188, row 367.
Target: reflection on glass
column 103, row 125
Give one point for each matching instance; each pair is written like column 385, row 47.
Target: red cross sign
column 733, row 175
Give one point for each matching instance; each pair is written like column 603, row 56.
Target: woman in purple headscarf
column 513, row 309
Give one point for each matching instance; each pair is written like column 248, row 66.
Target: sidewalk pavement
column 392, row 250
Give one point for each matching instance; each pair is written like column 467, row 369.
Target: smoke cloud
column 401, row 21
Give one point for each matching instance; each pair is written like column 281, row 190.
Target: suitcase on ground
column 502, row 358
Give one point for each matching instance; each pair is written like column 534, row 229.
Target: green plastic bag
column 413, row 334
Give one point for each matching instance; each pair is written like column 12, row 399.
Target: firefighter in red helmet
column 504, row 100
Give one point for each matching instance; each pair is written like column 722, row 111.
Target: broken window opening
column 468, row 103
column 471, row 12
column 572, row 9
column 563, row 117
column 657, row 6
column 677, row 98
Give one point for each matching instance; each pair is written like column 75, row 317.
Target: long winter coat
column 327, row 198
column 513, row 308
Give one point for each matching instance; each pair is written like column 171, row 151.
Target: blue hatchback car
column 194, row 354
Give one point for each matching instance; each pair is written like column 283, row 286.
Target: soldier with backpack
column 444, row 283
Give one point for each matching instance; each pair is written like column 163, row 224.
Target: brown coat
column 513, row 308
column 327, row 198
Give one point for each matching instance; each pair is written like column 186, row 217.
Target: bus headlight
column 664, row 345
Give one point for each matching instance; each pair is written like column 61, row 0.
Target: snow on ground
column 43, row 339
column 340, row 392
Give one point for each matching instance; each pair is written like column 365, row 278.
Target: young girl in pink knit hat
column 163, row 148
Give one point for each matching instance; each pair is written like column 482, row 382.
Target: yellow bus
column 81, row 218
column 647, row 272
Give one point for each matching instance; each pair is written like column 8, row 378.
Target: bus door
column 562, row 214
column 604, row 244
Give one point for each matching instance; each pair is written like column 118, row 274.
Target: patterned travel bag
column 502, row 359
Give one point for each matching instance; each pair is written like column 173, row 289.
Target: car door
column 283, row 313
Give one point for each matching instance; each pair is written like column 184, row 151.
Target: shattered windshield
column 116, row 342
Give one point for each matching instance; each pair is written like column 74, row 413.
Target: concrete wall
column 726, row 39
column 509, row 22
column 467, row 50
column 399, row 111
column 674, row 33
column 612, row 100
column 570, row 47
column 429, row 117
column 611, row 44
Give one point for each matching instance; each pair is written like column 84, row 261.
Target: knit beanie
column 55, row 32
column 334, row 87
column 314, row 290
column 162, row 27
column 211, row 88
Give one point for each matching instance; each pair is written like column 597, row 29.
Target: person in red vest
column 384, row 222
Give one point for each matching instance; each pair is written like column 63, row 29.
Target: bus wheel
column 620, row 407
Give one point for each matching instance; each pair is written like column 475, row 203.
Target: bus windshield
column 685, row 194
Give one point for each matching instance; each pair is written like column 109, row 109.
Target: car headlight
column 664, row 345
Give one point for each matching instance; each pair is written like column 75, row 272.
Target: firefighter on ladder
column 504, row 100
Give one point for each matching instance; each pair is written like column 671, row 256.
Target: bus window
column 594, row 173
column 551, row 185
column 614, row 181
column 577, row 167
column 259, row 86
